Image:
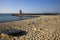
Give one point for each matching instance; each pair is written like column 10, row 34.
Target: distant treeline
column 38, row 14
column 33, row 13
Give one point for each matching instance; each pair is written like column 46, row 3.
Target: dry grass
column 45, row 27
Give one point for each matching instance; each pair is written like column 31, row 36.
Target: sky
column 30, row 6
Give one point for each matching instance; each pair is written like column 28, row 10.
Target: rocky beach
column 44, row 27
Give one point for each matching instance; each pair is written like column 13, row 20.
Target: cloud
column 8, row 11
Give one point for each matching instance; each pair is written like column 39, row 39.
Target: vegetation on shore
column 45, row 27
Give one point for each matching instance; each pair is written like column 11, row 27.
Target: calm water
column 9, row 17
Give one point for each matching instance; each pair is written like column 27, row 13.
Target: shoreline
column 43, row 27
column 27, row 19
column 17, row 17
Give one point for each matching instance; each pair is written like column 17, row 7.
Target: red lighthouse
column 20, row 11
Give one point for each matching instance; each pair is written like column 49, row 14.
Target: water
column 9, row 17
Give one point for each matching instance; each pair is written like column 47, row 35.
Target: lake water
column 9, row 17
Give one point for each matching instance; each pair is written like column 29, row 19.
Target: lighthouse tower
column 20, row 11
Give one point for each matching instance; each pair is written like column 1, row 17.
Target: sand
column 45, row 27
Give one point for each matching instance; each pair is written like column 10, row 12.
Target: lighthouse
column 20, row 11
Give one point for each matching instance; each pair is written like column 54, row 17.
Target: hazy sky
column 29, row 6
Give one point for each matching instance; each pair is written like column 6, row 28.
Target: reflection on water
column 9, row 17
